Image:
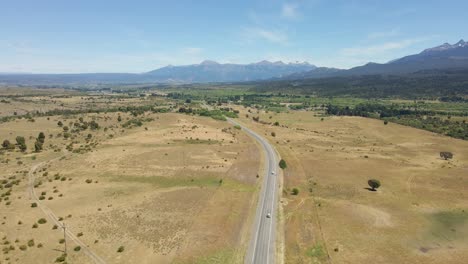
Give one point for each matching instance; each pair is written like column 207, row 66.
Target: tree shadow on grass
column 370, row 189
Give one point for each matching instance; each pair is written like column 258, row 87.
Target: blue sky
column 136, row 36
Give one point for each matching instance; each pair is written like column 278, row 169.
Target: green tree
column 282, row 164
column 93, row 125
column 21, row 142
column 374, row 184
column 41, row 137
column 295, row 191
column 37, row 146
column 7, row 144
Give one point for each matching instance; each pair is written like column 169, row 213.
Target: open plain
column 174, row 189
column 418, row 215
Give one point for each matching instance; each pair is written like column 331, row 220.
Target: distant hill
column 207, row 71
column 451, row 84
column 211, row 71
column 442, row 57
column 445, row 56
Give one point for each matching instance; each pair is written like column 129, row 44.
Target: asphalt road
column 262, row 245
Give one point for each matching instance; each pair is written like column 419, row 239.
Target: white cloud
column 274, row 36
column 380, row 48
column 290, row 11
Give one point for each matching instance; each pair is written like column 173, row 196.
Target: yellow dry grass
column 419, row 215
column 153, row 189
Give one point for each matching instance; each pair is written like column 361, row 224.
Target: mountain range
column 445, row 56
column 211, row 71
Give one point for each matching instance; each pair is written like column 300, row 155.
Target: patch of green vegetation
column 167, row 182
column 316, row 251
column 201, row 141
column 218, row 114
column 223, row 256
column 450, row 224
column 415, row 116
column 237, row 186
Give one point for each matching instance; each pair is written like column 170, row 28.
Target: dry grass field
column 178, row 189
column 23, row 100
column 418, row 215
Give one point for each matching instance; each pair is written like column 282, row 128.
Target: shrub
column 61, row 241
column 374, row 184
column 120, row 249
column 77, row 248
column 273, row 134
column 89, row 181
column 79, row 234
column 446, row 155
column 385, row 122
column 282, row 164
column 59, row 123
column 295, row 191
column 34, row 225
column 31, row 243
column 42, row 221
column 62, row 258
column 7, row 144
column 23, row 247
column 54, row 227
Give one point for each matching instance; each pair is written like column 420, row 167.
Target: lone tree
column 21, row 142
column 446, row 155
column 374, row 184
column 41, row 137
column 282, row 164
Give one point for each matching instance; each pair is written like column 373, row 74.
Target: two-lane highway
column 262, row 245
